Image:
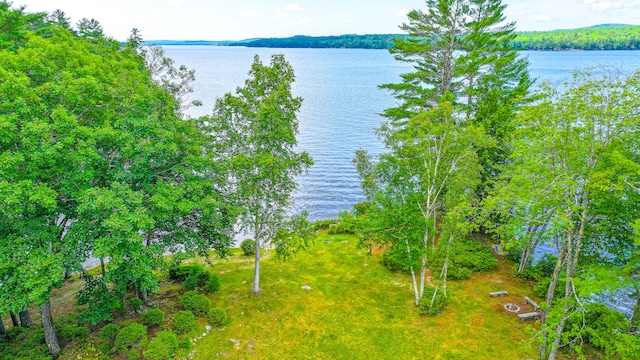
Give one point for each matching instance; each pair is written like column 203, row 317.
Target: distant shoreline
column 600, row 37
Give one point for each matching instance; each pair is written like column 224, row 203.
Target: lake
column 342, row 103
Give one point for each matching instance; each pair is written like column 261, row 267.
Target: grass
column 357, row 309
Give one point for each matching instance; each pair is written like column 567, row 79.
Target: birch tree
column 256, row 128
column 562, row 147
column 430, row 158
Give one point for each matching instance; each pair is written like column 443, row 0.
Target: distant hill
column 598, row 37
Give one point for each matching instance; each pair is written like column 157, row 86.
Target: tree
column 561, row 170
column 90, row 29
column 462, row 48
column 431, row 159
column 61, row 19
column 256, row 129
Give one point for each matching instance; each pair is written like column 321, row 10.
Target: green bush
column 218, row 317
column 183, row 322
column 162, row 347
column 458, row 273
column 347, row 224
column 198, row 304
column 531, row 273
column 118, row 308
column 190, row 283
column 542, row 269
column 390, row 261
column 213, row 284
column 135, row 304
column 248, row 246
column 542, row 287
column 69, row 327
column 109, row 333
column 182, row 272
column 25, row 343
column 130, row 338
column 431, row 309
column 202, row 279
column 153, row 317
column 323, row 224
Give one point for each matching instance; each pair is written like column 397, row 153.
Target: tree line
column 593, row 38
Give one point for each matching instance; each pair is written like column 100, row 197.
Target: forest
column 100, row 161
column 600, row 37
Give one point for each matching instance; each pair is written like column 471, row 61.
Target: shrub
column 198, row 304
column 118, row 308
column 547, row 264
column 431, row 309
column 153, row 317
column 213, row 284
column 130, row 337
column 109, row 333
column 248, row 246
column 162, row 347
column 323, row 224
column 202, row 279
column 183, row 322
column 190, row 283
column 458, row 273
column 531, row 273
column 68, row 327
column 181, row 272
column 390, row 261
column 218, row 317
column 135, row 304
column 542, row 287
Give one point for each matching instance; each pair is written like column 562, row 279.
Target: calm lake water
column 342, row 103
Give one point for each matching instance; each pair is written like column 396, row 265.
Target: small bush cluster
column 131, row 339
column 135, row 304
column 24, row 343
column 458, row 273
column 218, row 317
column 198, row 304
column 323, row 224
column 194, row 277
column 542, row 269
column 465, row 258
column 213, row 284
column 109, row 332
column 183, row 322
column 162, row 347
column 390, row 259
column 69, row 328
column 248, row 247
column 153, row 317
column 429, row 308
column 182, row 272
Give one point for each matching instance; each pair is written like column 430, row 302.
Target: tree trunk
column 3, row 331
column 542, row 350
column 256, row 274
column 25, row 319
column 573, row 255
column 145, row 297
column 102, row 266
column 416, row 291
column 49, row 331
column 634, row 326
column 14, row 319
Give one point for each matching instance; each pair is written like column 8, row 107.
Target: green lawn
column 357, row 309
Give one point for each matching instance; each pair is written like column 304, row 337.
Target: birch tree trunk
column 256, row 273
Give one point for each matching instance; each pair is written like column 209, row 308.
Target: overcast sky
column 242, row 19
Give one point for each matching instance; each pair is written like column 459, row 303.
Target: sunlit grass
column 357, row 309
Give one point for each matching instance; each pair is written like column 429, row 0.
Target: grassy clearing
column 357, row 309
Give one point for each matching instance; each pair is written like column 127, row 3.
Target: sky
column 244, row 19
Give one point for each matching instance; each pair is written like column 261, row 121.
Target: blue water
column 342, row 103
